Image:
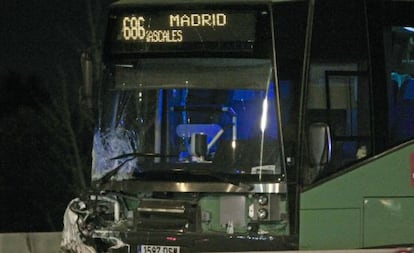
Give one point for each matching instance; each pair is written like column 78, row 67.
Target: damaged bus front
column 187, row 152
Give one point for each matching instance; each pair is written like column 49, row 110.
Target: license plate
column 158, row 249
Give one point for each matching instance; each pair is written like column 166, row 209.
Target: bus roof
column 169, row 2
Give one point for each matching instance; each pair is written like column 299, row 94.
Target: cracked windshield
column 164, row 116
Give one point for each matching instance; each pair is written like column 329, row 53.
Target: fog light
column 262, row 213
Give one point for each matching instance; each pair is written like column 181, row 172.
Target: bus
column 251, row 125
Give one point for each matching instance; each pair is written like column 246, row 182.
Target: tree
column 35, row 184
column 46, row 132
column 70, row 123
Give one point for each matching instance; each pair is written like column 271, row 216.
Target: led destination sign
column 133, row 27
column 203, row 26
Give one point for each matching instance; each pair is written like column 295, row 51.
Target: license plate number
column 158, row 249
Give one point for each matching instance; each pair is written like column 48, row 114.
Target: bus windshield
column 164, row 115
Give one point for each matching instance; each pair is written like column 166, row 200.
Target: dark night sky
column 38, row 38
column 38, row 35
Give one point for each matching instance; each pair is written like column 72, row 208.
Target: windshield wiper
column 105, row 178
column 138, row 154
column 196, row 172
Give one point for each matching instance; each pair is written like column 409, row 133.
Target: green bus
column 252, row 125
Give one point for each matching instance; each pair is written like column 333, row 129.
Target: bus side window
column 338, row 83
column 402, row 123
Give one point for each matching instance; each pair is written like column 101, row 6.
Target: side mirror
column 320, row 144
